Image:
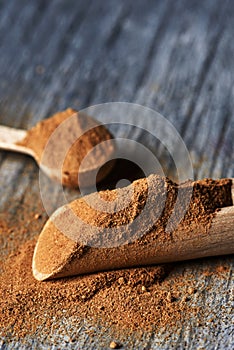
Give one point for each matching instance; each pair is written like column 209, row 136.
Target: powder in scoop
column 131, row 236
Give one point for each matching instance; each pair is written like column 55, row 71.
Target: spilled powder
column 24, row 300
column 130, row 300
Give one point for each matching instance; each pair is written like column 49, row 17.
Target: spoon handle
column 9, row 138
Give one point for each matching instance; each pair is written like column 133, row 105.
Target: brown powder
column 69, row 145
column 123, row 246
column 130, row 300
column 22, row 296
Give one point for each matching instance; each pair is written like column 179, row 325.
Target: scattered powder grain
column 114, row 345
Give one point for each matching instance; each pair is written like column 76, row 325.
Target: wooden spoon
column 57, row 255
column 71, row 137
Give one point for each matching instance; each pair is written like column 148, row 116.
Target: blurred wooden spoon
column 61, row 142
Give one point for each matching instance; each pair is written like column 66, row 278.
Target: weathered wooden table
column 173, row 56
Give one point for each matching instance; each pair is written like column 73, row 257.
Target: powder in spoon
column 70, row 144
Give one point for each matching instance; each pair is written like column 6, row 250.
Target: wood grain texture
column 173, row 56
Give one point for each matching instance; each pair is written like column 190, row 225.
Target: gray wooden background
column 176, row 57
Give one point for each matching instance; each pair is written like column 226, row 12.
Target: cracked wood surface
column 173, row 56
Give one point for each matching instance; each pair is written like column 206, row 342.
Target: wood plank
column 176, row 57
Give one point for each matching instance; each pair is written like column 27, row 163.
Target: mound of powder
column 106, row 241
column 62, row 141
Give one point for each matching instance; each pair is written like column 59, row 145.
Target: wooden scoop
column 58, row 255
column 59, row 143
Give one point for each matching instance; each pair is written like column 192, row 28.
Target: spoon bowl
column 61, row 143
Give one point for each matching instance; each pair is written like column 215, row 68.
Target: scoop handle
column 9, row 138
